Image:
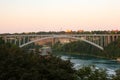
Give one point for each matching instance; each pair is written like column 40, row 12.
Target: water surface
column 80, row 61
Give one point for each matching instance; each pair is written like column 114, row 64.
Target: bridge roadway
column 26, row 35
column 98, row 40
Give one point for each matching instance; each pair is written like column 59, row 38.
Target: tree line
column 111, row 51
column 65, row 32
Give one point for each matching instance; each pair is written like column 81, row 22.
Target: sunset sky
column 56, row 15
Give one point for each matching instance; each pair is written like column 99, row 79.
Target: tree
column 91, row 73
column 16, row 64
column 117, row 76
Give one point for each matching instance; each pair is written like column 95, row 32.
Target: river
column 80, row 61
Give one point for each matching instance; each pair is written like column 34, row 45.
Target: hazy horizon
column 18, row 16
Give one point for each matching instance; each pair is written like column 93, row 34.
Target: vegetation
column 16, row 64
column 80, row 47
column 72, row 32
column 91, row 73
column 113, row 49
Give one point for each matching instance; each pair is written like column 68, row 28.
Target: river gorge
column 82, row 60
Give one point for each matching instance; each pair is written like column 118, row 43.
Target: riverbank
column 118, row 59
column 83, row 54
column 111, row 51
column 82, row 60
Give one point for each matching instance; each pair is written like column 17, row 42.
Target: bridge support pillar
column 5, row 39
column 113, row 38
column 28, row 39
column 105, row 41
column 101, row 41
column 108, row 38
column 19, row 42
column 15, row 41
column 23, row 40
column 117, row 37
column 53, row 41
column 98, row 41
column 11, row 40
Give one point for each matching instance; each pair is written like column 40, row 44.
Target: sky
column 55, row 15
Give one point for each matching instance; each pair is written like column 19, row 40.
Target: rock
column 118, row 59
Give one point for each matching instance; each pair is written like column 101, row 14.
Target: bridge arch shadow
column 69, row 37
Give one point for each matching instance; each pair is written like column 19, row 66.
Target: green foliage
column 77, row 47
column 117, row 76
column 57, row 46
column 113, row 49
column 16, row 64
column 1, row 41
column 91, row 73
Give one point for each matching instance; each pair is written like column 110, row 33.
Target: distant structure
column 80, row 30
column 45, row 50
column 97, row 40
column 68, row 31
column 115, row 31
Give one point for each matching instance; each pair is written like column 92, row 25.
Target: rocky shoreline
column 118, row 59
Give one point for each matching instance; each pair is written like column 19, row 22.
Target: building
column 45, row 51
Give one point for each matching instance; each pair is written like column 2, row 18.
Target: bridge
column 97, row 40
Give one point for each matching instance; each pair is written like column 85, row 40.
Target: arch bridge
column 97, row 40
